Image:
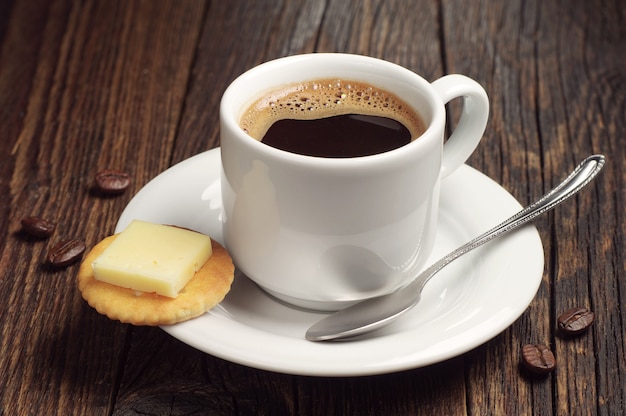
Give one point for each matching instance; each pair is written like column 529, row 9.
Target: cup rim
column 231, row 106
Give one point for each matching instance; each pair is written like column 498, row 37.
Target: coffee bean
column 38, row 227
column 538, row 358
column 112, row 182
column 65, row 253
column 575, row 321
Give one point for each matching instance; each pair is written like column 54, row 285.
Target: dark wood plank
column 590, row 41
column 494, row 45
column 177, row 377
column 398, row 31
column 551, row 70
column 94, row 85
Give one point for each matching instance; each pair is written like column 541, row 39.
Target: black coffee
column 348, row 135
column 332, row 118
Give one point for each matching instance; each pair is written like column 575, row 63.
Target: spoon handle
column 579, row 178
column 375, row 313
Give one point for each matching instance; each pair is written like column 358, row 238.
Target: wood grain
column 136, row 85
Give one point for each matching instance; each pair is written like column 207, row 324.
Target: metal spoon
column 375, row 313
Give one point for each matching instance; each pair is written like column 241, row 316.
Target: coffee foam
column 326, row 98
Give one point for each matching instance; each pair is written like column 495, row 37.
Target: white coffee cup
column 322, row 233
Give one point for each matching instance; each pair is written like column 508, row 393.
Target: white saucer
column 471, row 301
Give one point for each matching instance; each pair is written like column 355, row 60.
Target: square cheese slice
column 151, row 257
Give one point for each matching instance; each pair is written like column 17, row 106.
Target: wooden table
column 136, row 85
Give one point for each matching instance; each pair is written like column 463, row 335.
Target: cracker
column 207, row 288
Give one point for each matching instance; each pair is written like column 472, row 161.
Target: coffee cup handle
column 471, row 126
